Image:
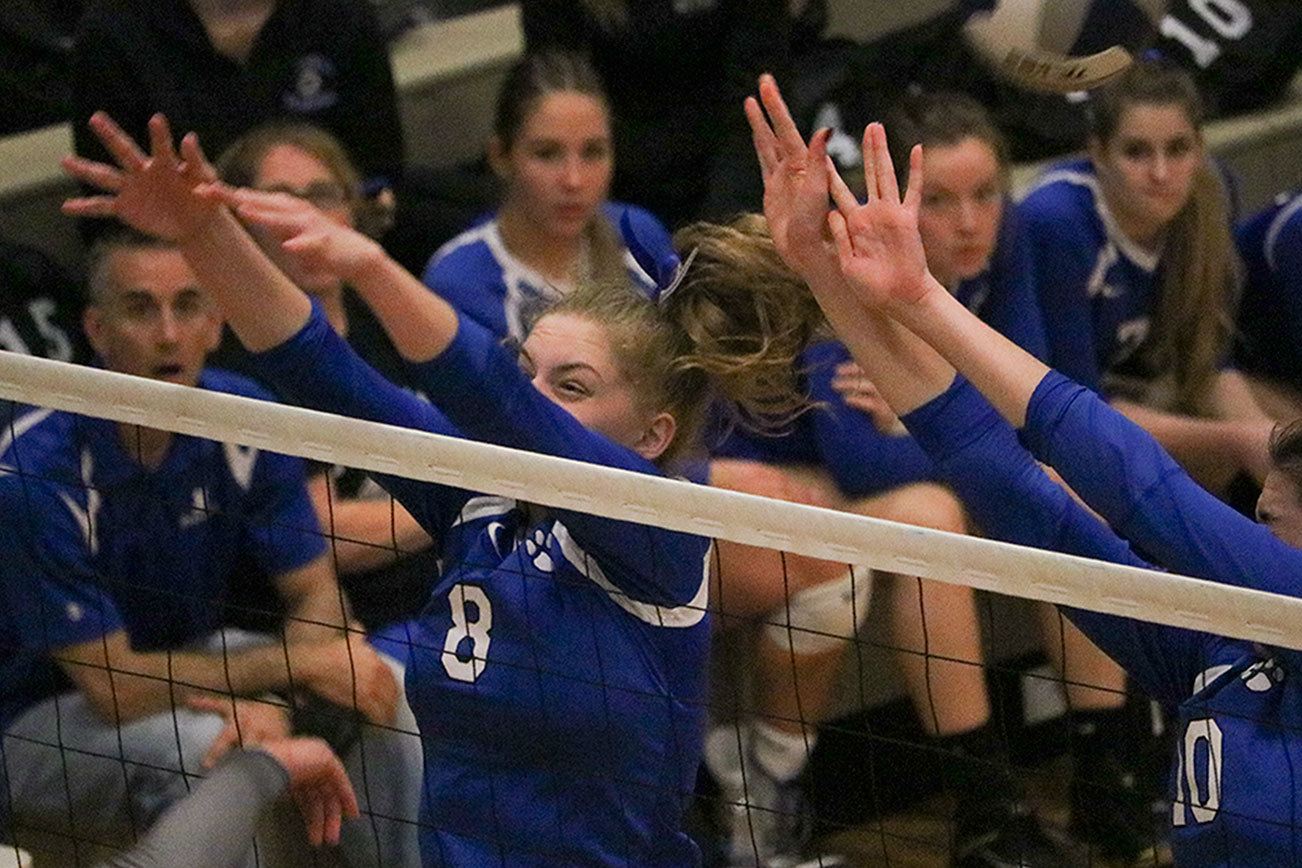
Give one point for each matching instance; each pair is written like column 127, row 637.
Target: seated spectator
column 552, row 148
column 40, row 306
column 1270, row 315
column 676, row 74
column 1137, row 276
column 121, row 541
column 223, row 67
column 383, row 557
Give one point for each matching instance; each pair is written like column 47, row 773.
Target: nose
column 967, row 216
column 572, row 174
column 168, row 328
column 1161, row 167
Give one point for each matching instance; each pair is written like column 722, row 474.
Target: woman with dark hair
column 675, row 72
column 1138, row 277
column 552, row 150
column 558, row 668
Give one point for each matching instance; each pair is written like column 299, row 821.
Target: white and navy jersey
column 1269, row 333
column 477, row 275
column 96, row 543
column 862, row 460
column 1237, row 775
column 558, row 669
column 1097, row 287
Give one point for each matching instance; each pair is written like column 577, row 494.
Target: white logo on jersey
column 1098, row 286
column 75, row 612
column 87, row 519
column 198, row 513
column 536, row 547
column 1131, row 334
column 241, row 460
column 1260, row 677
column 843, row 147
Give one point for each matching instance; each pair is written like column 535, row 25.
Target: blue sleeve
column 1012, row 499
column 1126, row 477
column 318, row 369
column 1014, row 305
column 862, row 460
column 1062, row 254
column 283, row 530
column 647, row 240
column 480, row 387
column 47, row 574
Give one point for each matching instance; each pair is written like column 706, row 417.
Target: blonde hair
column 1200, row 277
column 733, row 329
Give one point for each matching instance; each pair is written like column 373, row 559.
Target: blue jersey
column 1097, row 288
column 477, row 275
column 1233, row 787
column 862, row 460
column 97, row 543
column 1269, row 339
column 558, row 669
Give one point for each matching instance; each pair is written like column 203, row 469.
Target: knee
column 165, row 750
column 923, row 504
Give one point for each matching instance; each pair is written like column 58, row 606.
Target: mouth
column 168, row 371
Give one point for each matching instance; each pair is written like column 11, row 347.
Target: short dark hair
column 122, row 237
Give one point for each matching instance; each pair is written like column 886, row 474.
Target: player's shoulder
column 470, row 252
column 37, row 438
column 1276, row 226
column 1071, row 183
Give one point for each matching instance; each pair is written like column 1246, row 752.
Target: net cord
column 1013, row 570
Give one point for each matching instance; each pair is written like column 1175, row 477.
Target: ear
column 657, row 436
column 499, row 158
column 213, row 330
column 93, row 325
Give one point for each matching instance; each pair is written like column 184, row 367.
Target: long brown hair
column 528, row 82
column 733, row 329
column 1200, row 279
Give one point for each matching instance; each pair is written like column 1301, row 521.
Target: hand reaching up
column 154, row 193
column 878, row 244
column 318, row 243
column 795, row 183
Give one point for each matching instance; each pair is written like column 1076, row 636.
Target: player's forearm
column 1005, row 373
column 420, row 324
column 263, row 307
column 134, row 685
column 366, row 534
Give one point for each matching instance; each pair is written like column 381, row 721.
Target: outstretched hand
column 318, row 243
column 878, row 244
column 318, row 783
column 154, row 193
column 795, row 183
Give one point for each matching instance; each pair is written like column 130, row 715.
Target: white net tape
column 1017, row 571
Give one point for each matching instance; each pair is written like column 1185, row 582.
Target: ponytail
column 1199, row 289
column 732, row 330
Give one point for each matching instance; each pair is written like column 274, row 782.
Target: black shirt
column 40, row 306
column 676, row 74
column 385, row 594
column 321, row 61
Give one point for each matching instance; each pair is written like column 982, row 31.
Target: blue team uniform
column 860, row 459
column 1097, row 288
column 1234, row 786
column 1269, row 340
column 558, row 669
column 96, row 543
column 477, row 275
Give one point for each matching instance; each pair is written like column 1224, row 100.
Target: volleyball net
column 868, row 753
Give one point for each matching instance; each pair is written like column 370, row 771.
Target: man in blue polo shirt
column 120, row 542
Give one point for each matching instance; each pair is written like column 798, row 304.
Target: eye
column 1179, row 148
column 549, row 151
column 1136, row 150
column 989, row 194
column 573, row 388
column 595, row 151
column 937, row 200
